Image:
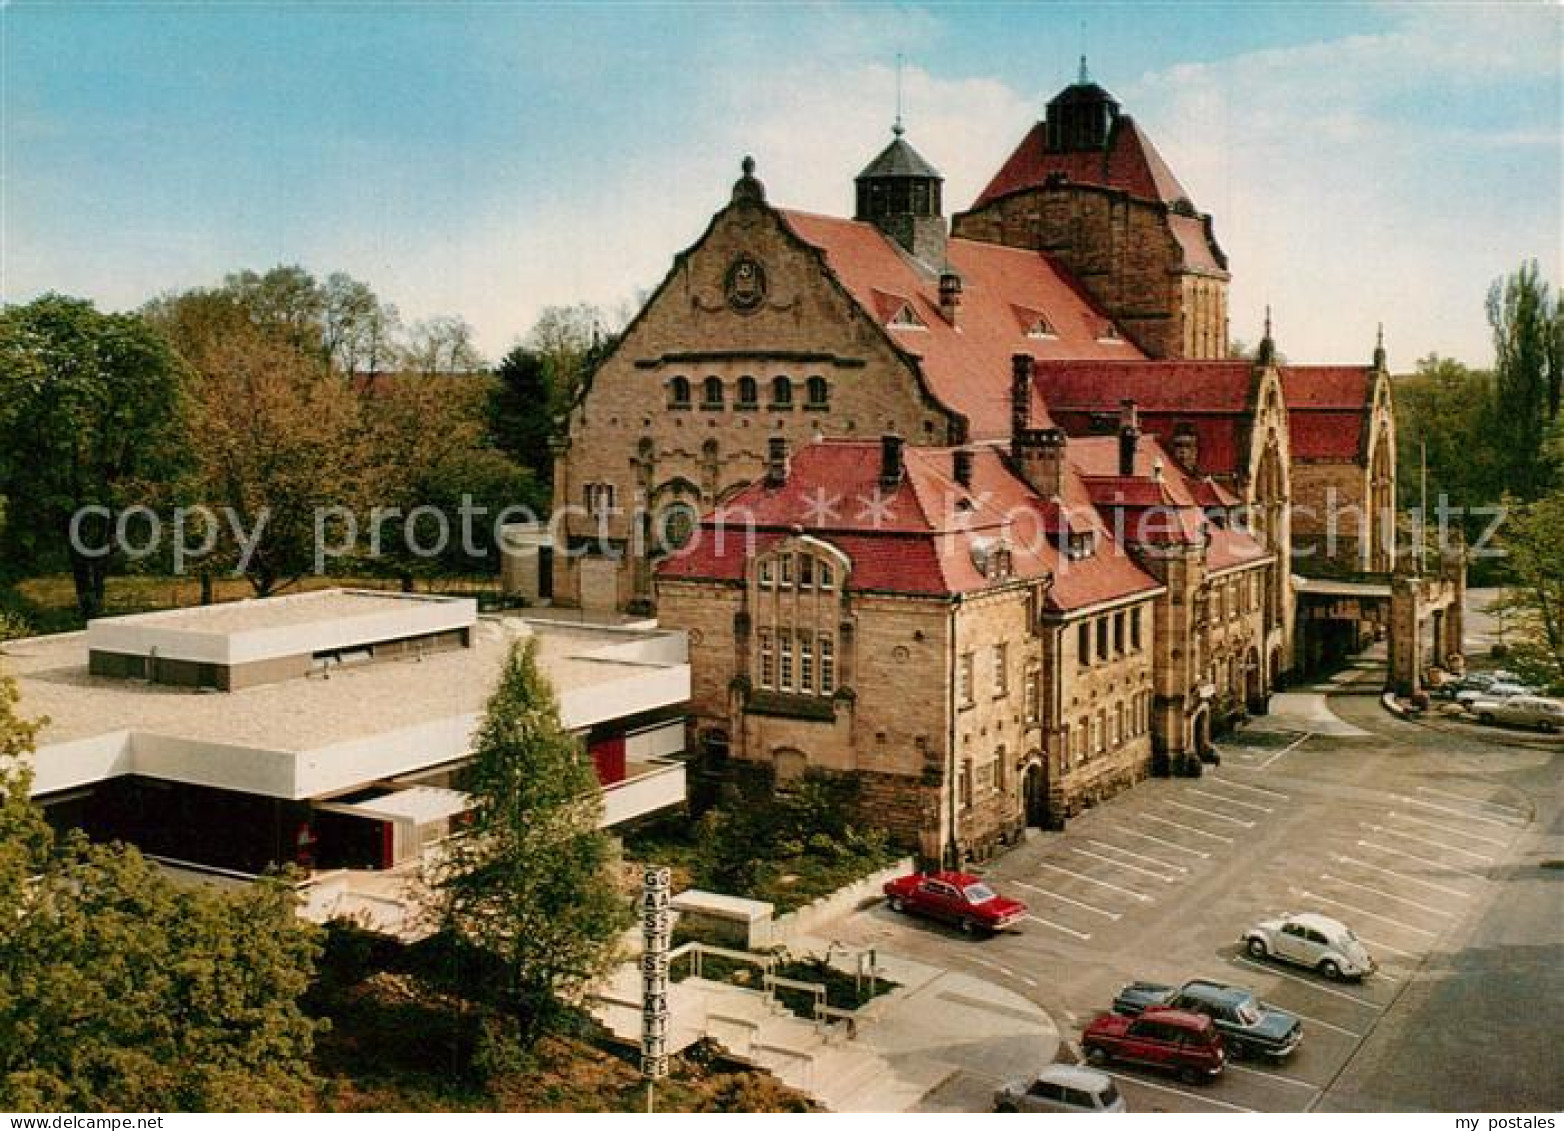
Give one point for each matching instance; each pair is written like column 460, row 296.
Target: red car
column 1186, row 1043
column 956, row 898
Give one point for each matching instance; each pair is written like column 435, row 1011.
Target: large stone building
column 1060, row 350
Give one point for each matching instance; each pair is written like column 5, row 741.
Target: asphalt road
column 1431, row 843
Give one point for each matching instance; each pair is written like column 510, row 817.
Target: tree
column 1528, row 338
column 119, row 990
column 520, row 420
column 91, row 419
column 357, row 328
column 529, row 880
column 279, row 447
column 1533, row 539
column 571, row 341
column 441, row 345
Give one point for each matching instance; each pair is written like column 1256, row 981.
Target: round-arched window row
column 816, row 390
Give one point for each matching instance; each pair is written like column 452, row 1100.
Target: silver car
column 1522, row 711
column 1499, row 689
column 1313, row 940
column 1062, row 1088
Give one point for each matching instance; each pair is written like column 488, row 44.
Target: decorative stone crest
column 745, row 284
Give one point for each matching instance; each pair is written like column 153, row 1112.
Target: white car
column 1062, row 1088
column 1500, row 689
column 1547, row 715
column 1313, row 940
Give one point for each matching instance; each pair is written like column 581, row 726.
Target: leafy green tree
column 121, row 991
column 92, row 417
column 521, row 421
column 529, row 881
column 1533, row 538
column 1528, row 336
column 1444, row 408
column 442, row 345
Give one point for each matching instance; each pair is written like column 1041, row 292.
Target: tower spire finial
column 1379, row 347
column 1084, row 77
column 898, row 129
column 1266, row 354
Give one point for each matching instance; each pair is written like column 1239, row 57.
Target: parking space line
column 1353, row 1033
column 1186, row 828
column 1289, row 748
column 1412, row 856
column 1457, row 812
column 1140, row 895
column 1082, row 935
column 1163, row 876
column 1164, row 843
column 1474, row 801
column 1400, row 875
column 1114, row 915
column 1241, row 961
column 1371, row 914
column 1251, row 788
column 1383, row 894
column 1430, row 843
column 1208, row 813
column 1005, row 970
column 1277, row 1076
column 1493, row 840
column 1137, row 855
column 1399, row 953
column 1196, row 1096
column 1233, row 800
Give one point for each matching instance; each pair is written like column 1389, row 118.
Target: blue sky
column 1363, row 162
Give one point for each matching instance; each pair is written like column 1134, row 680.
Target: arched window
column 679, row 393
column 797, row 607
column 675, row 526
column 711, row 393
column 819, row 392
column 749, row 393
column 781, row 392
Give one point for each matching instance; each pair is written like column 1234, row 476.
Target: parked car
column 1249, row 1026
column 1308, row 939
column 1498, row 689
column 1062, row 1088
column 954, row 897
column 1521, row 710
column 1186, row 1043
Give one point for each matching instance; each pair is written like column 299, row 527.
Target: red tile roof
column 967, row 365
column 1129, row 162
column 1160, row 502
column 924, row 536
column 1211, row 397
column 1327, row 386
column 1328, row 411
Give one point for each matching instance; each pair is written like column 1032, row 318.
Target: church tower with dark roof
column 900, row 193
column 1087, row 186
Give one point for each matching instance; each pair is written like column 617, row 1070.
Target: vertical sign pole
column 655, row 923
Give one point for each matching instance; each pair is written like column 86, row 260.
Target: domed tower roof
column 899, row 159
column 1081, row 116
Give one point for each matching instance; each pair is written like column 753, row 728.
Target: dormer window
column 905, row 318
column 1040, row 330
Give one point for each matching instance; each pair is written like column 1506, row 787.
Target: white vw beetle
column 1309, row 939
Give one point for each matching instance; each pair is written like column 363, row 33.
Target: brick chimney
column 1020, row 393
column 1186, row 447
column 891, row 468
column 776, row 461
column 961, row 466
column 950, row 296
column 1129, row 436
column 1038, row 453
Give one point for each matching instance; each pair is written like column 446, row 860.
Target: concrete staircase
column 819, row 1060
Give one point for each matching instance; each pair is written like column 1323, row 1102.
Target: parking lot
column 1401, row 842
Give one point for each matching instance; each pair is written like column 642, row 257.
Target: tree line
column 1492, row 441
column 272, row 394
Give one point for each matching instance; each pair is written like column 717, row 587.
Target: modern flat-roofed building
column 328, row 729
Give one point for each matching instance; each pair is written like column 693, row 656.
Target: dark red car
column 956, row 898
column 1186, row 1043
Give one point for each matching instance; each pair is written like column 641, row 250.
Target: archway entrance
column 1034, row 793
